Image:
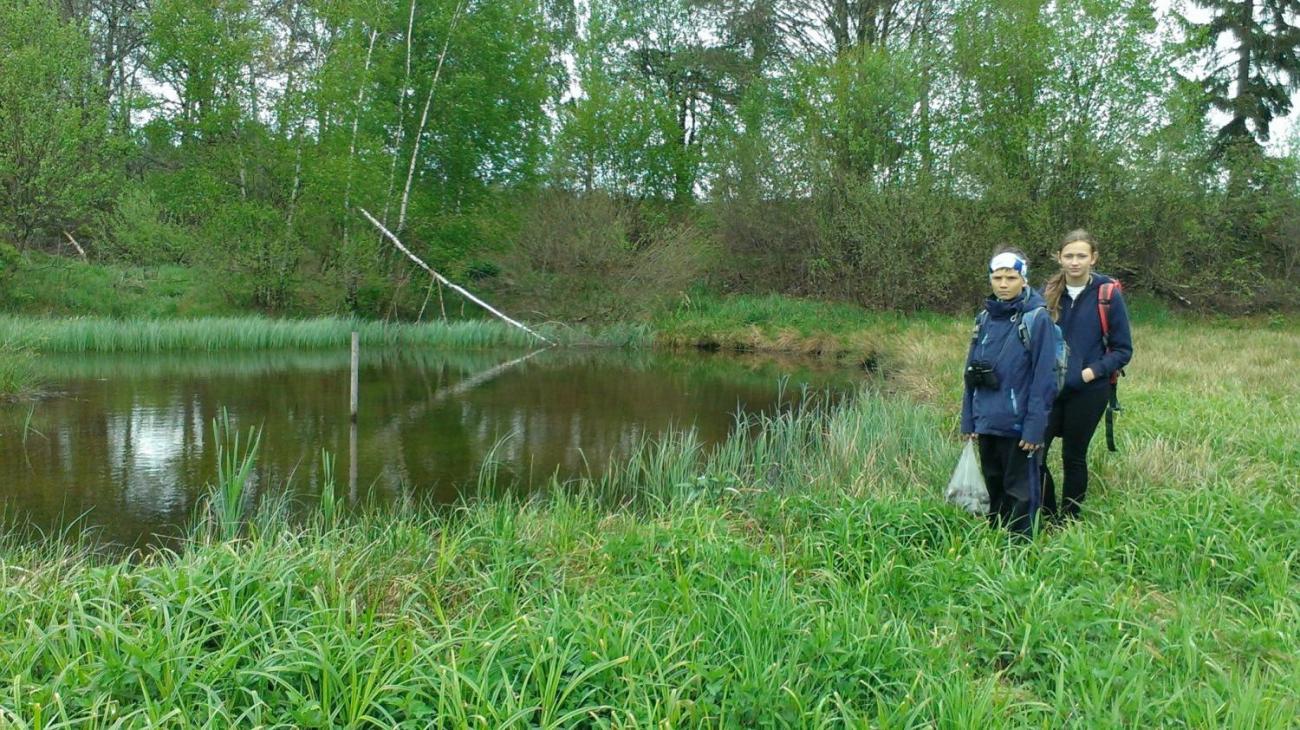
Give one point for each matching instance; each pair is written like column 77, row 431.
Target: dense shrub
column 141, row 231
column 766, row 245
column 591, row 256
column 9, row 258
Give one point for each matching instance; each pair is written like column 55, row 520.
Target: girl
column 1076, row 298
column 1010, row 386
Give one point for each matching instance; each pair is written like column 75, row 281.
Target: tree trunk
column 424, row 118
column 352, row 276
column 401, row 117
column 927, row 82
column 1242, row 104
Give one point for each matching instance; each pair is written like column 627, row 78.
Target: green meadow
column 806, row 573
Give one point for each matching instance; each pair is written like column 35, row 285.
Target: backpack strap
column 979, row 323
column 1105, row 294
column 1023, row 324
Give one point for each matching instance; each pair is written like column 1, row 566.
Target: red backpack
column 1104, row 295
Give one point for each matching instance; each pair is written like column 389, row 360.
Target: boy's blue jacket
column 1026, row 379
column 1081, row 325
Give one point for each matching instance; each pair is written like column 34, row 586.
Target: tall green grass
column 96, row 335
column 804, row 574
column 229, row 499
column 18, row 376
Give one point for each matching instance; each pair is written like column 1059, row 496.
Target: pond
column 124, row 445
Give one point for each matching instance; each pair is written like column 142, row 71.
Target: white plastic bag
column 966, row 489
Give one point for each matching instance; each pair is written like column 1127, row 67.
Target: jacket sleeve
column 967, row 416
column 1042, row 383
column 1121, row 339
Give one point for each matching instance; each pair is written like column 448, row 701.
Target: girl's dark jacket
column 1080, row 322
column 1026, row 375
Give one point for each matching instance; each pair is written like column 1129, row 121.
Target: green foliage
column 808, row 143
column 229, row 500
column 249, row 240
column 1253, row 82
column 10, row 260
column 141, row 231
column 859, row 113
column 201, row 49
column 656, row 92
column 57, row 286
column 902, row 249
column 1056, row 96
column 52, row 121
column 213, row 334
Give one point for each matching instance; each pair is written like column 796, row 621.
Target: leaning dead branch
column 444, row 280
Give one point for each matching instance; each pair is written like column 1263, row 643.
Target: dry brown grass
column 1203, row 402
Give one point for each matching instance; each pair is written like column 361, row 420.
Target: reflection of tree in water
column 568, row 411
column 453, row 444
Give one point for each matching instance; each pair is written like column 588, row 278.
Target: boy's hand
column 1026, row 446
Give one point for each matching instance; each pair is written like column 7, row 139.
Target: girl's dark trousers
column 1074, row 420
column 1011, row 475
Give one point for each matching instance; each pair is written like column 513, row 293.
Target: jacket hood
column 1028, row 299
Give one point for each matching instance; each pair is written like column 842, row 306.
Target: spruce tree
column 1252, row 79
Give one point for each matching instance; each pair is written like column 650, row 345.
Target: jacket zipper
column 1014, row 408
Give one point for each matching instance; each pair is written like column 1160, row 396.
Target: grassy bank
column 57, row 286
column 768, row 324
column 782, row 324
column 209, row 334
column 807, row 574
column 742, row 324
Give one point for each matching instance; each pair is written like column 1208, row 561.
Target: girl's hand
column 1088, row 375
column 1026, row 446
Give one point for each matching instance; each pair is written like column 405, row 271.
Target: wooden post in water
column 352, row 425
column 356, row 362
column 352, row 462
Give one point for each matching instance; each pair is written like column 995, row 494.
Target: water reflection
column 127, row 442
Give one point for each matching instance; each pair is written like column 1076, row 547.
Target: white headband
column 1008, row 260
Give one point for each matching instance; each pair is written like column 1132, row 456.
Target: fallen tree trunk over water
column 447, row 281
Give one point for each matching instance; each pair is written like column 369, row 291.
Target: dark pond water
column 125, row 445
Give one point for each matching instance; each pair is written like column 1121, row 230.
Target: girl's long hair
column 1055, row 286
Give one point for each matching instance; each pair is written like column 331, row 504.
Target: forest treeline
column 576, row 156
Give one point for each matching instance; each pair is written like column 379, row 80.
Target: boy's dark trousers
column 1073, row 420
column 1011, row 475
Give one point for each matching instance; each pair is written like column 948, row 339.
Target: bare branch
column 445, row 280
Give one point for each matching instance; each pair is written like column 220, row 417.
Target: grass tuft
column 18, row 377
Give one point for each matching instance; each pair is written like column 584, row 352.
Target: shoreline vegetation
column 806, row 573
column 214, row 334
column 18, row 376
column 54, row 304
